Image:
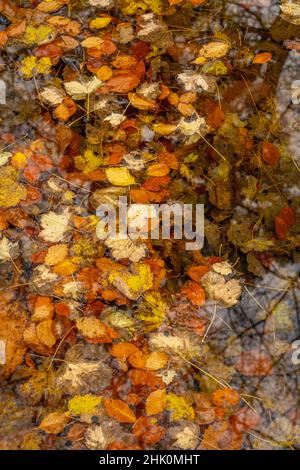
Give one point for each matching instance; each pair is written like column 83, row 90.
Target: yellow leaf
column 65, row 267
column 132, row 285
column 212, row 50
column 137, row 7
column 156, row 402
column 99, row 23
column 119, row 176
column 92, row 41
column 11, row 192
column 88, row 162
column 19, row 160
column 155, row 313
column 104, row 73
column 164, row 129
column 56, row 254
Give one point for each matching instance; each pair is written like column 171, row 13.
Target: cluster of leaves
column 107, row 341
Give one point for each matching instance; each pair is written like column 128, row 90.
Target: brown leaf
column 12, row 325
column 54, row 423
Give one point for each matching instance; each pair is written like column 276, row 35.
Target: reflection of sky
column 255, row 13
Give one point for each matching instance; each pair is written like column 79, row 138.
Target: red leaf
column 270, row 154
column 288, row 215
column 281, row 228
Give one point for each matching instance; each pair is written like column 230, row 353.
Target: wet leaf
column 119, row 410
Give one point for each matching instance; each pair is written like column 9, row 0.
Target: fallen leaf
column 262, row 58
column 119, row 176
column 93, row 330
column 270, row 154
column 44, row 333
column 54, row 423
column 119, row 410
column 194, row 292
column 156, row 402
column 54, row 225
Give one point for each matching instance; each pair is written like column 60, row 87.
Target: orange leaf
column 156, row 402
column 137, row 360
column 156, row 360
column 94, row 331
column 121, row 82
column 119, row 410
column 143, row 196
column 147, row 431
column 197, row 272
column 142, row 377
column 123, row 350
column 262, row 58
column 66, row 109
column 164, row 129
column 169, row 159
column 43, row 309
column 186, row 109
column 156, row 183
column 16, row 30
column 124, row 62
column 104, row 73
column 225, row 397
column 158, row 169
column 3, row 38
column 194, row 292
column 44, row 333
